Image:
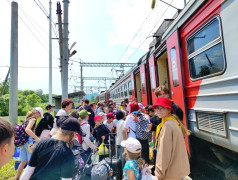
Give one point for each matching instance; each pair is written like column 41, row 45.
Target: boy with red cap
column 100, row 132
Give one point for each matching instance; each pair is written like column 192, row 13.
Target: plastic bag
column 103, row 150
column 150, row 150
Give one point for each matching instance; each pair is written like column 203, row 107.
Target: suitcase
column 115, row 163
column 116, row 166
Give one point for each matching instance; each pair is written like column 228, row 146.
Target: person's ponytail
column 184, row 130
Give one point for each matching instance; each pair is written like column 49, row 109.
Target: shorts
column 25, row 155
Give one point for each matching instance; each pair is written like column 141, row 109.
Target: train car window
column 205, row 51
column 143, row 82
column 152, row 75
column 174, row 67
column 130, row 89
column 125, row 90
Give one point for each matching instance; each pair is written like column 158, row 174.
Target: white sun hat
column 40, row 111
column 132, row 145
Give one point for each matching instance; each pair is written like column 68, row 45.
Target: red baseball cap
column 97, row 118
column 163, row 101
column 110, row 115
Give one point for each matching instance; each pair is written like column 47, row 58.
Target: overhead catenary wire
column 150, row 32
column 135, row 35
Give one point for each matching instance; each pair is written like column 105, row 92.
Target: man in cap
column 46, row 123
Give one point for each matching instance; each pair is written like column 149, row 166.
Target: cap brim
column 89, row 113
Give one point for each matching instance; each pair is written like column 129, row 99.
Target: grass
column 8, row 171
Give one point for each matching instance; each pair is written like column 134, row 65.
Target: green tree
column 23, row 107
column 6, row 90
column 33, row 100
column 4, row 105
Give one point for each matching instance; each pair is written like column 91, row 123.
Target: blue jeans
column 86, row 155
column 120, row 151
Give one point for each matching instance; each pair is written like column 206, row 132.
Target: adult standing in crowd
column 171, row 149
column 53, row 158
column 30, row 126
column 130, row 126
column 7, row 136
column 91, row 116
column 163, row 91
column 46, row 123
column 120, row 116
column 100, row 108
column 80, row 106
column 66, row 106
column 93, row 106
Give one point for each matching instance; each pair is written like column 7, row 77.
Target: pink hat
column 97, row 118
column 110, row 115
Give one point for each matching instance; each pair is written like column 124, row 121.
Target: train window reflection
column 143, row 82
column 209, row 62
column 174, row 67
column 205, row 36
column 205, row 51
column 152, row 75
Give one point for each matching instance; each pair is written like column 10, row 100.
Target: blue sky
column 102, row 30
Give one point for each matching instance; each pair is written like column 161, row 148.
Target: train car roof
column 190, row 8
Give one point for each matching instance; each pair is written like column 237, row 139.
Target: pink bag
column 45, row 134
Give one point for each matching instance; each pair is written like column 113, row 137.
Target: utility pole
column 59, row 12
column 81, row 71
column 13, row 97
column 65, row 52
column 50, row 54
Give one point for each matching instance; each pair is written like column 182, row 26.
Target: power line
column 32, row 67
column 134, row 36
column 150, row 31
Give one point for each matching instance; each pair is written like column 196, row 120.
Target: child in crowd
column 7, row 136
column 30, row 126
column 132, row 150
column 101, row 132
column 103, row 115
column 110, row 123
column 87, row 144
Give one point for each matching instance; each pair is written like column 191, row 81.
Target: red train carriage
column 196, row 58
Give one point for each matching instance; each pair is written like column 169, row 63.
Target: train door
column 176, row 81
column 143, row 85
column 163, row 71
column 138, row 87
column 132, row 85
column 152, row 78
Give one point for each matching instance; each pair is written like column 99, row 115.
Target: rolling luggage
column 115, row 163
column 116, row 166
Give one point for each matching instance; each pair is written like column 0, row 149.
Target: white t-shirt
column 110, row 126
column 130, row 124
column 120, row 128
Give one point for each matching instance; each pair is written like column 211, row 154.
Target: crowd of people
column 125, row 130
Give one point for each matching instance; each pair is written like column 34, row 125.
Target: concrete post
column 50, row 55
column 65, row 52
column 13, row 96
